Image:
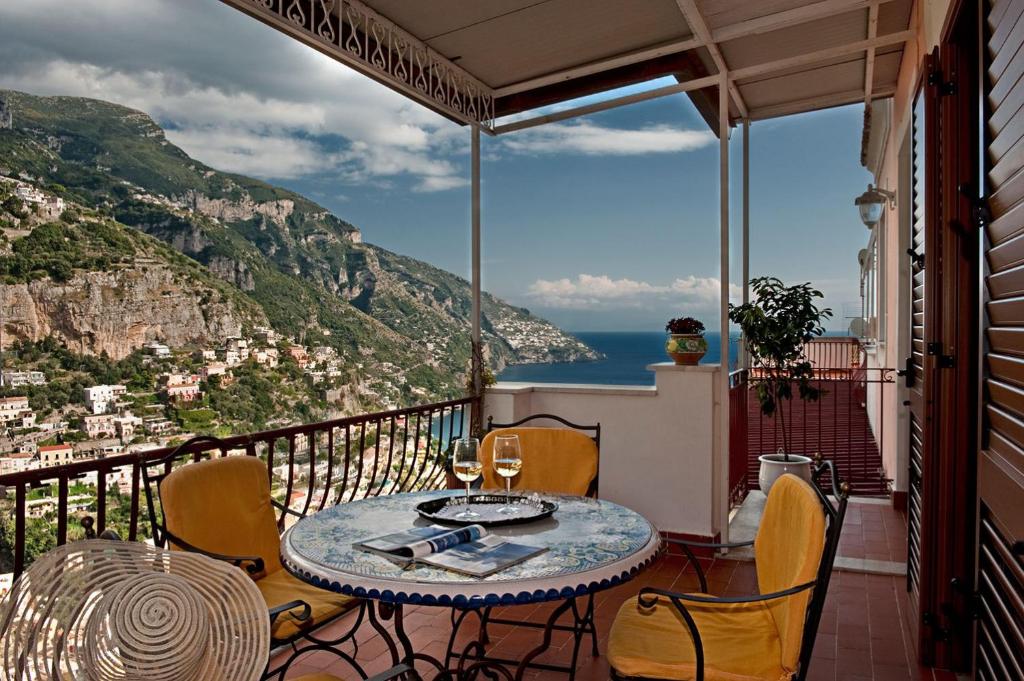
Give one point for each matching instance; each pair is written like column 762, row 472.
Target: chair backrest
column 788, row 550
column 223, row 505
column 556, row 460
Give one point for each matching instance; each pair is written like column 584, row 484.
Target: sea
column 626, row 357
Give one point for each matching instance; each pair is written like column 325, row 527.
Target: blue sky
column 604, row 223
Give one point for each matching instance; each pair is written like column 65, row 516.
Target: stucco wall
column 658, row 444
column 927, row 20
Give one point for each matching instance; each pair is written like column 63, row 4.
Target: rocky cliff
column 117, row 312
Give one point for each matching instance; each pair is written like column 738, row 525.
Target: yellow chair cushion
column 281, row 587
column 740, row 642
column 223, row 505
column 787, row 552
column 555, row 460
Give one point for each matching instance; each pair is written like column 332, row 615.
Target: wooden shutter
column 915, row 368
column 999, row 651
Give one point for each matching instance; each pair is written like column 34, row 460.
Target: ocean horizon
column 626, row 357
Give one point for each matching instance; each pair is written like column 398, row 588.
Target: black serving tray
column 443, row 510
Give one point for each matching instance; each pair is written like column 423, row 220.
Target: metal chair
column 222, row 508
column 663, row 634
column 571, row 441
column 568, row 463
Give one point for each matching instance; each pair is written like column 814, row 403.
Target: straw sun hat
column 106, row 610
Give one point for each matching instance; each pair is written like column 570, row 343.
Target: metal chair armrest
column 253, row 565
column 678, row 601
column 709, row 545
column 694, row 598
column 304, row 616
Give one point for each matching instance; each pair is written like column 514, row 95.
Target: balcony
column 864, row 632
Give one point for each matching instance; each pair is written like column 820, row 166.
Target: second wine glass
column 467, row 467
column 507, row 461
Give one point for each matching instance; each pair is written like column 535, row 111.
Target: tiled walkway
column 874, row 531
column 863, row 636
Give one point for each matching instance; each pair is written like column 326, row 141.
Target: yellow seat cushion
column 281, row 587
column 223, row 505
column 787, row 552
column 555, row 460
column 740, row 642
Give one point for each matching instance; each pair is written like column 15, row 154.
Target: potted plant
column 685, row 344
column 776, row 328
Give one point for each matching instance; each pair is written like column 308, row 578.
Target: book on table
column 469, row 550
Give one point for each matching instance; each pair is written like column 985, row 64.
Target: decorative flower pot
column 686, row 348
column 775, row 465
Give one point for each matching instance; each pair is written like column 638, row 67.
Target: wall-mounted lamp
column 871, row 203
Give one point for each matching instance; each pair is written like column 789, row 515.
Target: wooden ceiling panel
column 795, row 40
column 719, row 13
column 838, row 76
column 534, row 39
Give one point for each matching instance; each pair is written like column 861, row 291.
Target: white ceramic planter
column 774, row 465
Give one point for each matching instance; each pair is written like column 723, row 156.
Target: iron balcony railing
column 310, row 466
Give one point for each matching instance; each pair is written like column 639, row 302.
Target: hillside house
column 55, row 455
column 101, row 399
column 19, row 379
column 13, row 409
column 99, row 425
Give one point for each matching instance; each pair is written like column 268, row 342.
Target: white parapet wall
column 658, row 443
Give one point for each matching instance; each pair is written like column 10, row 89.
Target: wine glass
column 467, row 467
column 508, row 461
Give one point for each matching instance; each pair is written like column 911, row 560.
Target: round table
column 592, row 545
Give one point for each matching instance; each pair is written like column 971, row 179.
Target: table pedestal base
column 473, row 661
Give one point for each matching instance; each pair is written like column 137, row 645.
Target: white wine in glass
column 507, row 462
column 467, row 467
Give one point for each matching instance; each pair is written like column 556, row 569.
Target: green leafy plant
column 685, row 325
column 776, row 327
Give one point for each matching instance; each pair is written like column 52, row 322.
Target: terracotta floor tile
column 862, row 634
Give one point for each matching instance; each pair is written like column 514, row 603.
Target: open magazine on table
column 469, row 550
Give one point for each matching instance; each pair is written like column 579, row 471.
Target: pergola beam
column 816, row 103
column 810, row 58
column 700, row 29
column 600, row 66
column 765, row 24
column 696, row 84
column 757, row 70
column 869, row 62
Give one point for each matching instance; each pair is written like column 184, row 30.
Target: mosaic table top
column 592, row 545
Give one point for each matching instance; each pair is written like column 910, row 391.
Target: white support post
column 477, row 366
column 722, row 467
column 744, row 358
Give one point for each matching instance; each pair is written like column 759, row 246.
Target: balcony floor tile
column 863, row 634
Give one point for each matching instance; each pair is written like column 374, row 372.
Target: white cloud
column 592, row 139
column 258, row 104
column 588, row 291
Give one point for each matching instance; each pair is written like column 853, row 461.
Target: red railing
column 846, row 424
column 738, row 397
column 310, row 466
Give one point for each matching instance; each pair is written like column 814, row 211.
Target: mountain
column 267, row 256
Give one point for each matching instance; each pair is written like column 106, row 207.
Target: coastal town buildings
column 102, row 398
column 20, row 379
